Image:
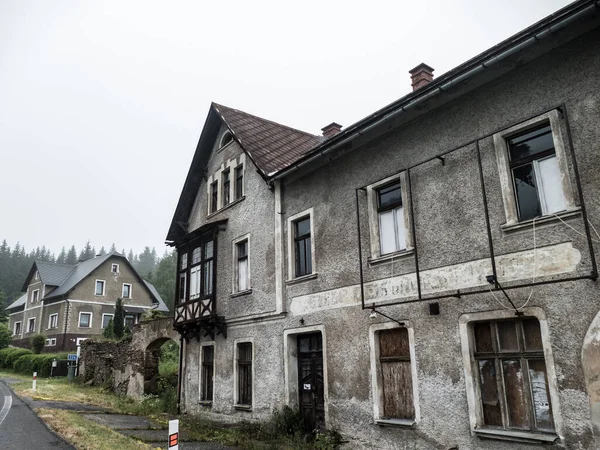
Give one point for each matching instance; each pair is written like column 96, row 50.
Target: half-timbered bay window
column 512, row 376
column 196, row 278
column 244, row 374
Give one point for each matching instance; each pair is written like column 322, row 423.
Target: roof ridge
column 217, row 105
column 37, row 261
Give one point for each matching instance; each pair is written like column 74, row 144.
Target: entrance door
column 310, row 378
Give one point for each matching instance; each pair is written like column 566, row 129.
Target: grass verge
column 84, row 434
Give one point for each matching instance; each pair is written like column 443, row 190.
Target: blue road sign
column 72, row 357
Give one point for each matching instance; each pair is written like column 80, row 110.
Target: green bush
column 9, row 355
column 38, row 343
column 5, row 336
column 42, row 364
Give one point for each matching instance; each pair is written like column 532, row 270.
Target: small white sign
column 173, row 434
column 307, row 387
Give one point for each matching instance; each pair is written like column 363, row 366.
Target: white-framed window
column 241, row 258
column 394, row 374
column 51, row 342
column 31, row 325
column 99, row 287
column 35, row 296
column 17, row 328
column 226, row 186
column 126, row 291
column 53, row 321
column 85, row 320
column 244, row 373
column 510, row 378
column 37, row 275
column 301, row 244
column 533, row 169
column 207, row 371
column 226, row 139
column 388, row 208
column 114, row 268
column 239, row 181
column 106, row 318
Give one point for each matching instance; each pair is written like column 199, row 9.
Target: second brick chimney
column 331, row 130
column 421, row 76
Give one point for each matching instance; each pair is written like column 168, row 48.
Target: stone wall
column 131, row 364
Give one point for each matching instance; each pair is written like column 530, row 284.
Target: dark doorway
column 310, row 378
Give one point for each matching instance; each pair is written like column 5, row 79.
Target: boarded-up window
column 513, row 382
column 396, row 374
column 244, row 372
column 208, row 356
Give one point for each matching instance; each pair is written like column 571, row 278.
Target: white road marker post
column 34, row 381
column 173, row 434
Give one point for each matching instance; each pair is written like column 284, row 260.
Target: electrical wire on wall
column 530, row 296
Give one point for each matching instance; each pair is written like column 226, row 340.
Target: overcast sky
column 102, row 102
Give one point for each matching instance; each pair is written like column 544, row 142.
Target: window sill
column 507, row 228
column 310, row 276
column 516, row 436
column 391, row 256
column 229, row 205
column 206, row 403
column 243, row 407
column 402, row 423
column 240, row 293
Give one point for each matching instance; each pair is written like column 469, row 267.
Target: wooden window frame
column 248, row 402
column 207, row 387
column 20, row 323
column 239, row 181
column 291, row 221
column 226, row 185
column 473, row 393
column 235, row 288
column 377, row 381
column 214, row 196
column 505, row 171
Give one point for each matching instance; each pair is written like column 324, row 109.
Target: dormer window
column 225, row 139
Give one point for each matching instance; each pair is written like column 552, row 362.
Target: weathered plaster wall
column 450, row 228
column 255, row 214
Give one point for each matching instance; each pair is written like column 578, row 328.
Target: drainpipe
column 179, row 375
column 444, row 87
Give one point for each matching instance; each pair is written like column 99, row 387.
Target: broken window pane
column 518, row 411
column 541, row 397
column 492, row 413
column 507, row 336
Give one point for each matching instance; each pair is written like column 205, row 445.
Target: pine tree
column 72, row 256
column 88, row 252
column 102, row 252
column 62, row 256
column 113, row 248
column 164, row 277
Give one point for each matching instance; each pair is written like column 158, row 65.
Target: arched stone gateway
column 590, row 359
column 132, row 364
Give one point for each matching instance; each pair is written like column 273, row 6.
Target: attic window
column 114, row 268
column 37, row 275
column 225, row 139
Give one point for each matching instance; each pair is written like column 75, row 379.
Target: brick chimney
column 421, row 76
column 331, row 130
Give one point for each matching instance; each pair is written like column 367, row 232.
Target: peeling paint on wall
column 552, row 260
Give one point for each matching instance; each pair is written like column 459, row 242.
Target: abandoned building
column 425, row 278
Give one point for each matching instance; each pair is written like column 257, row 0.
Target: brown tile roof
column 271, row 146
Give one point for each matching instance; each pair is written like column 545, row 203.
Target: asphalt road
column 21, row 429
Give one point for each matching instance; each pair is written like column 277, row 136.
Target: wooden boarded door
column 396, row 375
column 310, row 378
